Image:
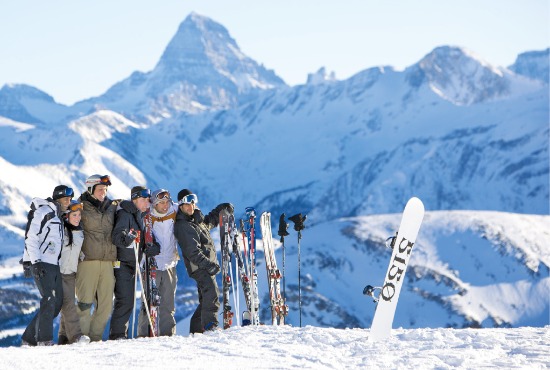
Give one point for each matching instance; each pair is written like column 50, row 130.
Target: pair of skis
column 149, row 292
column 246, row 270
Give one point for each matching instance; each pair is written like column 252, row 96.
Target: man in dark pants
column 192, row 230
column 128, row 225
column 43, row 243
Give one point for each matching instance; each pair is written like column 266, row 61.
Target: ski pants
column 69, row 324
column 40, row 329
column 124, row 300
column 207, row 310
column 166, row 283
column 95, row 283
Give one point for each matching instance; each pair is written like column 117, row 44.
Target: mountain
column 28, row 104
column 452, row 129
column 201, row 69
column 533, row 64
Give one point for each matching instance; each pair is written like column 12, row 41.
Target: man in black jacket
column 128, row 235
column 192, row 230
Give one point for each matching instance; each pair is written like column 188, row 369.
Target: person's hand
column 213, row 268
column 38, row 270
column 227, row 206
column 152, row 249
column 131, row 236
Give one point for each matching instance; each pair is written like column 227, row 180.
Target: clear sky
column 76, row 49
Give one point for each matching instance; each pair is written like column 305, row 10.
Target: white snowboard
column 389, row 293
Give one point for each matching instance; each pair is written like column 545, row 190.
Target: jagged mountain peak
column 459, row 75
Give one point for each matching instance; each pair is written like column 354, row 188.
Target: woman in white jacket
column 69, row 325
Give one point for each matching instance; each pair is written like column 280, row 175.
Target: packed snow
column 285, row 347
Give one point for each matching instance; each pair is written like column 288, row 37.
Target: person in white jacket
column 163, row 211
column 43, row 243
column 69, row 324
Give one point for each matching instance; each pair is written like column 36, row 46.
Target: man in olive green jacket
column 95, row 280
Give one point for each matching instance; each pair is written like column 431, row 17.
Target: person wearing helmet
column 128, row 234
column 192, row 231
column 69, row 324
column 163, row 216
column 43, row 243
column 95, row 279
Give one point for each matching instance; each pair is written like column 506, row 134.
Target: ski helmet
column 94, row 180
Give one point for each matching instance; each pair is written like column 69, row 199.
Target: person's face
column 188, row 208
column 142, row 204
column 162, row 206
column 100, row 192
column 64, row 203
column 74, row 218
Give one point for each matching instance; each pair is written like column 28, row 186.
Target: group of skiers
column 82, row 253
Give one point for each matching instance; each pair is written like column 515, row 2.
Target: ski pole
column 299, row 226
column 283, row 226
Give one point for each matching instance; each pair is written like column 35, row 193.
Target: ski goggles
column 61, row 193
column 145, row 193
column 75, row 206
column 105, row 180
column 188, row 199
column 163, row 195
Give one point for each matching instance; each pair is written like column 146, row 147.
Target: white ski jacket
column 163, row 231
column 70, row 253
column 45, row 235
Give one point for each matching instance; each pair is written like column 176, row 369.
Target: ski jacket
column 70, row 253
column 44, row 238
column 163, row 232
column 128, row 217
column 193, row 236
column 98, row 219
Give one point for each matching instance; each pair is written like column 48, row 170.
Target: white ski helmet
column 94, row 180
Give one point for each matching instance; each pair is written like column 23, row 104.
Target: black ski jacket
column 128, row 217
column 193, row 235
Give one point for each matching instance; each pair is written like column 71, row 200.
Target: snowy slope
column 268, row 347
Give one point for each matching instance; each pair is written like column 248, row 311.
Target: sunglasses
column 188, row 199
column 73, row 207
column 67, row 192
column 145, row 193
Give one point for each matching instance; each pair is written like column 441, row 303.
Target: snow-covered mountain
column 533, row 64
column 201, row 69
column 452, row 129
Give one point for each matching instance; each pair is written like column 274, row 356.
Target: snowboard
column 395, row 276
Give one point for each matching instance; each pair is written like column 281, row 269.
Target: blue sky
column 76, row 49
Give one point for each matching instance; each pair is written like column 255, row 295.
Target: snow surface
column 270, row 347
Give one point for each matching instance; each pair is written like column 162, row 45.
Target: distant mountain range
column 452, row 129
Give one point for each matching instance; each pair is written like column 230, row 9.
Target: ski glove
column 38, row 270
column 130, row 237
column 228, row 206
column 152, row 249
column 198, row 217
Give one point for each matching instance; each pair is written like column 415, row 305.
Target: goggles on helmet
column 75, row 206
column 105, row 180
column 145, row 193
column 188, row 199
column 163, row 195
column 65, row 192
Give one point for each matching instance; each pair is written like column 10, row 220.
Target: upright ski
column 253, row 275
column 389, row 292
column 152, row 292
column 278, row 308
column 226, row 267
